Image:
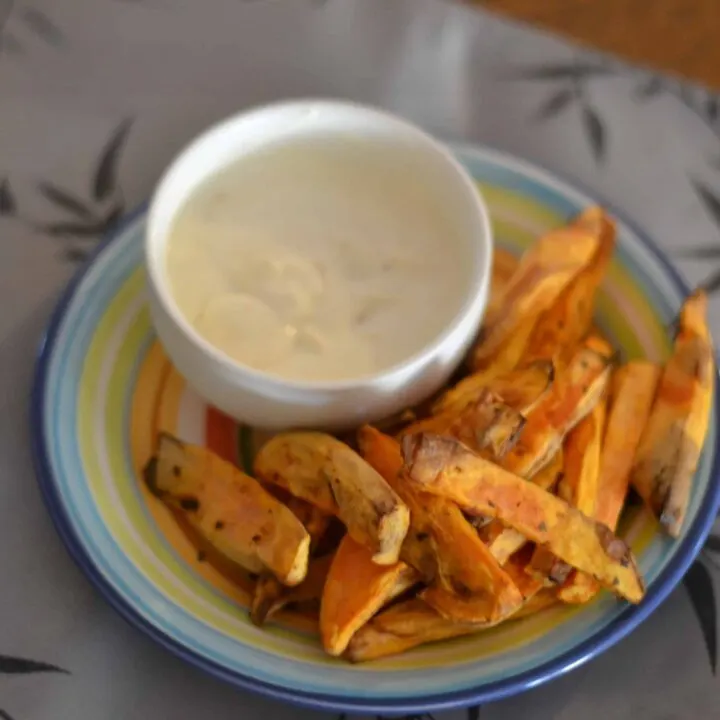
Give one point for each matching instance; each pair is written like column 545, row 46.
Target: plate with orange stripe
column 104, row 388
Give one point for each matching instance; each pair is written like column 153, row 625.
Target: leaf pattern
column 711, row 284
column 75, row 229
column 6, row 7
column 561, row 71
column 21, row 666
column 10, row 45
column 42, row 26
column 105, row 181
column 712, row 107
column 8, row 206
column 84, row 219
column 699, row 586
column 709, row 200
column 653, row 86
column 75, row 255
column 65, row 200
column 595, row 131
column 555, row 104
column 710, row 252
column 112, row 218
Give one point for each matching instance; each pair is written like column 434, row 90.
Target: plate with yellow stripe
column 104, row 388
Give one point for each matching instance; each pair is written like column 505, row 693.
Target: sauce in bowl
column 324, row 258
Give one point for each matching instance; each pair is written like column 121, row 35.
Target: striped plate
column 103, row 388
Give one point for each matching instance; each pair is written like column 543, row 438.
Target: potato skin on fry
column 575, row 392
column 383, row 453
column 440, row 538
column 355, row 589
column 485, row 423
column 520, row 389
column 672, row 440
column 327, row 473
column 270, row 596
column 445, row 468
column 229, row 509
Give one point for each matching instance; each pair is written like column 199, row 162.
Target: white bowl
column 268, row 401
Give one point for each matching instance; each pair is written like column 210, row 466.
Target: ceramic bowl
column 104, row 387
column 270, row 401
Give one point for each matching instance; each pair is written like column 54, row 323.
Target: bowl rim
column 690, row 544
column 474, row 300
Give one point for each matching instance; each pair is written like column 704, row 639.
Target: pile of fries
column 500, row 499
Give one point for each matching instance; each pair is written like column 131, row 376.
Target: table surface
column 78, row 77
column 678, row 36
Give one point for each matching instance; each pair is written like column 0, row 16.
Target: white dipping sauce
column 318, row 259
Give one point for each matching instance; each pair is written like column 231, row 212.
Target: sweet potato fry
column 355, row 589
column 579, row 484
column 270, row 597
column 486, row 423
column 578, row 589
column 516, row 568
column 575, row 392
column 482, row 607
column 544, row 271
column 633, row 388
column 672, row 441
column 460, row 562
column 229, row 509
column 328, row 474
column 315, row 520
column 401, row 628
column 583, row 446
column 383, row 453
column 537, row 603
column 520, row 389
column 509, row 354
column 444, row 467
column 562, row 326
column 503, row 541
column 414, row 623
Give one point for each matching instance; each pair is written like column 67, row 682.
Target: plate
column 103, row 386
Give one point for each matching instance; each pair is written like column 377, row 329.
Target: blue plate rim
column 605, row 638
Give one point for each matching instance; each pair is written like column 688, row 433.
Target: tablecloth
column 96, row 96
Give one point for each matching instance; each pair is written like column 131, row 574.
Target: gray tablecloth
column 95, row 98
